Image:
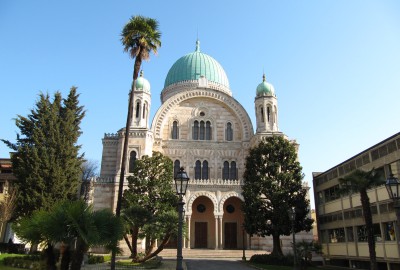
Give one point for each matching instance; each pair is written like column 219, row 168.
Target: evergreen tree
column 47, row 162
column 149, row 204
column 272, row 186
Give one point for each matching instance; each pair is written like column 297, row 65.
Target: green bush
column 33, row 262
column 272, row 259
column 94, row 259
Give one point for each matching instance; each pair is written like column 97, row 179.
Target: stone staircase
column 211, row 253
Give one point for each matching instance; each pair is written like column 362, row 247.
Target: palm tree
column 360, row 181
column 140, row 37
column 66, row 223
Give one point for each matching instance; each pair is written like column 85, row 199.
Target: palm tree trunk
column 276, row 250
column 77, row 259
column 50, row 257
column 369, row 227
column 65, row 257
column 125, row 149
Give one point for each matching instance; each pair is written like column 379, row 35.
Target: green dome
column 142, row 84
column 265, row 88
column 195, row 65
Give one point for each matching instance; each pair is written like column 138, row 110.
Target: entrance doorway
column 200, row 239
column 230, row 235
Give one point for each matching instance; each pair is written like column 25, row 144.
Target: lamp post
column 181, row 182
column 393, row 186
column 292, row 216
column 244, row 245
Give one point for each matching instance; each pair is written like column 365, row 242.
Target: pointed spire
column 197, row 45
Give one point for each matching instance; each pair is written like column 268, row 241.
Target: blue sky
column 335, row 65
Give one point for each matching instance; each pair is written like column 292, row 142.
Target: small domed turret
column 142, row 84
column 265, row 88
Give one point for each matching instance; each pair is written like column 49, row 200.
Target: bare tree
column 90, row 169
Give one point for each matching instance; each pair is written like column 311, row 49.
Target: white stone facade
column 201, row 127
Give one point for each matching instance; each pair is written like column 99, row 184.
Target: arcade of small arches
column 229, row 170
column 201, row 130
column 214, row 222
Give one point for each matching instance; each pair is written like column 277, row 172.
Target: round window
column 202, row 114
column 201, row 208
column 230, row 208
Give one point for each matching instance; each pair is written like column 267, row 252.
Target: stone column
column 188, row 236
column 216, row 232
column 220, row 232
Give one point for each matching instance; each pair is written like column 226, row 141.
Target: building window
column 177, row 166
column 144, row 110
column 175, row 130
column 389, row 231
column 262, row 114
column 137, row 109
column 201, row 130
column 195, row 134
column 1, row 187
column 229, row 172
column 197, row 170
column 332, row 193
column 132, row 159
column 208, row 130
column 336, row 235
column 233, row 172
column 350, row 234
column 229, row 132
column 201, row 172
column 268, row 114
column 204, row 171
column 225, row 171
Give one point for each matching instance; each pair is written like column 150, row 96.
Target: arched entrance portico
column 232, row 220
column 202, row 225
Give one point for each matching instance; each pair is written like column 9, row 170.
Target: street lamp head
column 392, row 186
column 181, row 182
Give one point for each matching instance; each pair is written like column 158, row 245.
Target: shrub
column 272, row 259
column 94, row 259
column 33, row 262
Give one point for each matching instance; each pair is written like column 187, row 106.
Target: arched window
column 268, row 114
column 229, row 132
column 177, row 166
column 175, row 130
column 262, row 115
column 204, row 171
column 233, row 173
column 202, row 130
column 225, row 171
column 144, row 110
column 197, row 170
column 137, row 109
column 229, row 173
column 195, row 134
column 132, row 159
column 208, row 130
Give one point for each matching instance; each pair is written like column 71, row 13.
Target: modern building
column 202, row 127
column 341, row 228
